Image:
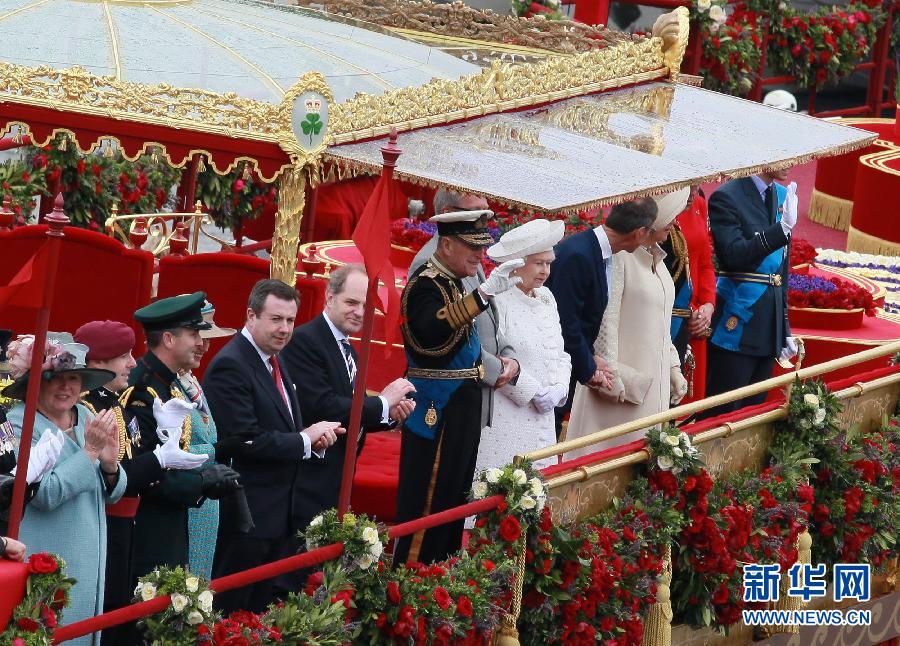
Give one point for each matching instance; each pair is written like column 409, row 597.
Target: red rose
column 488, row 565
column 42, row 563
column 442, row 597
column 48, row 616
column 393, row 593
column 313, row 582
column 464, row 606
column 28, row 624
column 721, row 595
column 509, row 529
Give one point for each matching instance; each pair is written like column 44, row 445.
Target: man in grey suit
column 497, row 357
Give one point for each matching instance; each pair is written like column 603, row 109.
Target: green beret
column 174, row 312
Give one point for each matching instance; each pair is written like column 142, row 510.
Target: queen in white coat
column 522, row 418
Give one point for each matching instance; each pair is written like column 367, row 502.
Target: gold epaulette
column 461, row 312
column 87, row 404
column 125, row 397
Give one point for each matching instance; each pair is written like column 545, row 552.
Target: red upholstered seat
column 227, row 279
column 13, row 576
column 377, row 473
column 98, row 278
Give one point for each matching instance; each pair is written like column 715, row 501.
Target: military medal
column 731, row 323
column 431, row 416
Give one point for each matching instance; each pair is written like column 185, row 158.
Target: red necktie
column 279, row 384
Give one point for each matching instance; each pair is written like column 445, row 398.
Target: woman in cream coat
column 635, row 341
column 522, row 419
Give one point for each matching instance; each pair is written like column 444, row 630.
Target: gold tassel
column 201, row 167
column 291, row 200
column 658, row 624
column 154, row 157
column 63, row 144
column 108, row 152
column 17, row 136
column 508, row 635
column 246, row 174
column 785, row 601
column 830, row 211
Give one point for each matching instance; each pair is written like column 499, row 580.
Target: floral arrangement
column 46, row 594
column 363, row 539
column 812, row 416
column 884, row 270
column 828, row 293
column 530, row 8
column 189, row 615
column 238, row 196
column 802, row 252
column 415, row 234
column 732, row 45
column 240, row 627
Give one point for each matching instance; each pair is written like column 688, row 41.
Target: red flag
column 372, row 237
column 26, row 288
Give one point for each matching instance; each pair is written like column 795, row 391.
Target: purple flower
column 806, row 284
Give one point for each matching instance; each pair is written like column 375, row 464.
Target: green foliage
column 189, row 612
column 40, row 611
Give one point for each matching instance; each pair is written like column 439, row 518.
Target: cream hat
column 214, row 332
column 669, row 206
column 535, row 236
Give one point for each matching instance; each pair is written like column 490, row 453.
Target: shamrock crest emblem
column 311, row 126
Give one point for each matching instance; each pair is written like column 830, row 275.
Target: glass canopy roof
column 254, row 49
column 607, row 147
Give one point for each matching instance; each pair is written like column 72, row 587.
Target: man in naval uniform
column 750, row 219
column 110, row 345
column 444, row 355
column 161, row 406
column 497, row 356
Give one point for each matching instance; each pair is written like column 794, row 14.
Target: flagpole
column 389, row 153
column 55, row 221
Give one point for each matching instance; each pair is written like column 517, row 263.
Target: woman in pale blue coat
column 66, row 517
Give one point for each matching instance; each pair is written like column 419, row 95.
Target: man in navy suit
column 261, row 431
column 580, row 283
column 322, row 363
column 750, row 327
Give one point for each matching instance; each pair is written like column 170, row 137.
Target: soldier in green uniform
column 441, row 435
column 110, row 345
column 158, row 401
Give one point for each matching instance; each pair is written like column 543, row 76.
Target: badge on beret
column 731, row 323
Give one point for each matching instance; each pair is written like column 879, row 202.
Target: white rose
column 205, row 599
column 138, row 588
column 820, row 415
column 192, row 583
column 717, row 13
column 519, row 477
column 479, row 490
column 665, row 462
column 179, row 602
column 685, row 438
column 376, row 549
column 540, row 503
column 677, row 452
column 527, row 502
column 148, row 591
column 370, row 535
column 315, row 521
column 365, row 561
column 537, row 487
column 703, row 5
column 194, row 618
column 492, row 475
column 811, row 400
column 671, row 440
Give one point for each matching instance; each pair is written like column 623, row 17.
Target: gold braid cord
column 658, row 624
column 679, row 247
column 291, row 199
column 785, row 601
column 508, row 635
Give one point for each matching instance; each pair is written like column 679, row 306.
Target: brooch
column 431, row 416
column 731, row 323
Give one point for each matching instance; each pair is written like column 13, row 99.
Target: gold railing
column 166, row 232
column 586, row 472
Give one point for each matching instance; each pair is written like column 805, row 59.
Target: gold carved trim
column 674, row 29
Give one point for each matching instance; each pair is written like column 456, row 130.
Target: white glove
column 499, row 281
column 171, row 456
column 548, row 398
column 678, row 385
column 170, row 416
column 789, row 209
column 789, row 351
column 43, row 455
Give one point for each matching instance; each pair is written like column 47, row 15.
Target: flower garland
column 802, row 252
column 241, row 195
column 40, row 611
column 530, row 8
column 188, row 617
column 884, row 270
column 363, row 539
column 833, row 293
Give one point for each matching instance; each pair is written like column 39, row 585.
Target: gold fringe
column 508, row 635
column 201, row 166
column 291, row 200
column 786, row 602
column 63, row 144
column 108, row 151
column 830, row 211
column 866, row 243
column 658, row 624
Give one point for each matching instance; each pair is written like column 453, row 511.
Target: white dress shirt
column 606, row 250
column 761, row 186
column 264, row 357
column 339, row 337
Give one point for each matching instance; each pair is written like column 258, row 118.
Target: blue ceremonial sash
column 682, row 302
column 740, row 297
column 435, row 393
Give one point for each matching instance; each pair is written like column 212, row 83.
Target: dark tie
column 770, row 202
column 279, row 383
column 348, row 359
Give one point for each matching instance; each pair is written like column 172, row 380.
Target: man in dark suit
column 323, row 364
column 261, row 430
column 751, row 221
column 580, row 284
